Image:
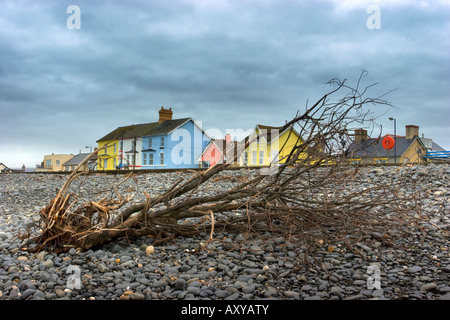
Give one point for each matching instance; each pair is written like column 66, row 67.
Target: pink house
column 213, row 152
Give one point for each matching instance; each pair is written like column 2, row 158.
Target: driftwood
column 306, row 198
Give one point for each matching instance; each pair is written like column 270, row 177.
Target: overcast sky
column 229, row 64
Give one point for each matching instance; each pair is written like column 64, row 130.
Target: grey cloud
column 230, row 67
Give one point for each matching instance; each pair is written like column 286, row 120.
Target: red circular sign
column 388, row 142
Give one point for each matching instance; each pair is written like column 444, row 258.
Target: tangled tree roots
column 310, row 198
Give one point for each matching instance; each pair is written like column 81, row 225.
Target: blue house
column 172, row 144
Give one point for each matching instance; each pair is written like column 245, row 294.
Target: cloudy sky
column 229, row 64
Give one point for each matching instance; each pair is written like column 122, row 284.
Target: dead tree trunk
column 301, row 196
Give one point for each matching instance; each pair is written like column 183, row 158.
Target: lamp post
column 395, row 138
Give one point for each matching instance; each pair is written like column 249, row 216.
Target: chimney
column 411, row 131
column 165, row 114
column 228, row 138
column 360, row 135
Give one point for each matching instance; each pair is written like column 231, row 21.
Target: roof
column 165, row 127
column 144, row 129
column 436, row 147
column 75, row 160
column 372, row 147
column 4, row 165
column 268, row 132
column 117, row 133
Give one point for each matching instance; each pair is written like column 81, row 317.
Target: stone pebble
column 416, row 267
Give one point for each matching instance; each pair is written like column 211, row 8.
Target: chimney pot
column 412, row 131
column 165, row 114
column 228, row 138
column 360, row 135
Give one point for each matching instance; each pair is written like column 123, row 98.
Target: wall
column 128, row 146
column 182, row 148
column 287, row 141
column 411, row 156
column 111, row 152
column 54, row 164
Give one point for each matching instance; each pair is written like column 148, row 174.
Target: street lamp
column 395, row 138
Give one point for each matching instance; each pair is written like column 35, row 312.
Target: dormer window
column 162, row 143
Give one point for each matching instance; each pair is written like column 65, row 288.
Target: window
column 150, row 143
column 128, row 159
column 253, row 157
column 261, row 157
column 150, row 159
column 133, row 146
column 144, row 159
column 57, row 162
column 48, row 163
column 246, row 157
column 380, row 160
column 115, row 147
column 162, row 142
column 115, row 162
column 162, row 157
column 105, row 163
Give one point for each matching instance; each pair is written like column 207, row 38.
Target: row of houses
column 182, row 144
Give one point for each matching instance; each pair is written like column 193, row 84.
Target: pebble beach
column 416, row 267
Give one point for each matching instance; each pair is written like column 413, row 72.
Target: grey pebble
column 260, row 269
column 378, row 293
column 428, row 287
column 248, row 289
column 415, row 269
column 180, row 284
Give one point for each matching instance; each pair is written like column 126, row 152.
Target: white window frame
column 150, row 159
column 261, row 157
column 145, row 158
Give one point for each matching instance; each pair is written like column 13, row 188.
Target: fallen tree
column 308, row 196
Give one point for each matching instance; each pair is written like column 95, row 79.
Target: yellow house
column 54, row 162
column 109, row 157
column 269, row 146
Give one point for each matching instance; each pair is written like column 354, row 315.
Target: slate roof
column 267, row 134
column 76, row 160
column 117, row 133
column 164, row 128
column 373, row 148
column 436, row 147
column 144, row 129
